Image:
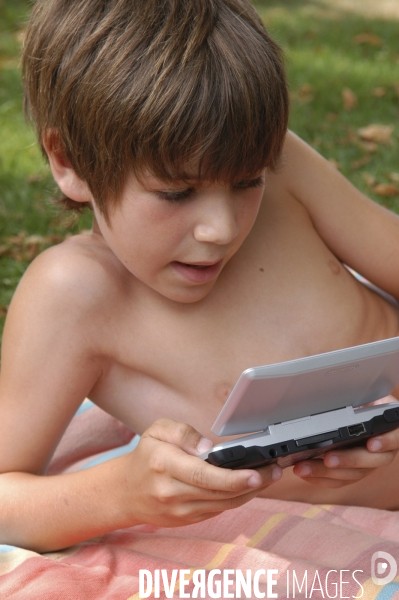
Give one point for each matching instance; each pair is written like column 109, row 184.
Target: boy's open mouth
column 197, row 273
column 195, row 266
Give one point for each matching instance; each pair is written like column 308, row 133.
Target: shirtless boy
column 218, row 244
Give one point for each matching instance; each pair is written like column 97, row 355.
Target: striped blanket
column 266, row 549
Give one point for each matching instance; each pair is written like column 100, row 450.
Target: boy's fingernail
column 333, row 461
column 276, row 473
column 255, row 481
column 375, row 445
column 204, row 445
column 305, row 470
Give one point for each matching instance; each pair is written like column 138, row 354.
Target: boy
column 218, row 244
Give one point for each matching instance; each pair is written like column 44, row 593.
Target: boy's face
column 176, row 238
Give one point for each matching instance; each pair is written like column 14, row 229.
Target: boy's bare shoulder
column 81, row 272
column 359, row 232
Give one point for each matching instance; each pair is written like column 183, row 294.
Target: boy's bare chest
column 283, row 296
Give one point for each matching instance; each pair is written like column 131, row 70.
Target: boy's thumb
column 179, row 434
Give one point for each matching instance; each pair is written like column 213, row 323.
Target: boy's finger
column 207, row 509
column 345, row 465
column 327, row 482
column 196, row 472
column 179, row 434
column 385, row 442
column 200, row 509
column 357, row 458
column 317, row 469
column 199, row 474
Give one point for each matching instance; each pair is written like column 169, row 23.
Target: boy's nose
column 217, row 222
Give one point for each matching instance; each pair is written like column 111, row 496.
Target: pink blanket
column 267, row 548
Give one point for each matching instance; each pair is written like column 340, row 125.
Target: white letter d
column 142, row 574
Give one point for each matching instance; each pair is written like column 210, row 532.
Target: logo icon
column 383, row 568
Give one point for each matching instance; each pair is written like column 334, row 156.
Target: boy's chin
column 187, row 295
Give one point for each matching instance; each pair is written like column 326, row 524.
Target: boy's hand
column 168, row 485
column 343, row 467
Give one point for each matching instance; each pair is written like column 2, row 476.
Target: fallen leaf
column 386, row 189
column 32, row 251
column 3, row 311
column 20, row 36
column 24, row 248
column 394, row 177
column 368, row 38
column 379, row 92
column 368, row 146
column 8, row 63
column 16, row 239
column 349, row 98
column 18, row 256
column 351, row 137
column 306, row 88
column 54, row 239
column 380, row 134
column 305, row 92
column 369, row 179
column 35, row 239
column 310, row 35
column 35, row 178
column 331, row 117
column 356, row 164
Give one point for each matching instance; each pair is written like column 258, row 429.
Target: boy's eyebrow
column 187, row 180
column 183, row 186
column 153, row 182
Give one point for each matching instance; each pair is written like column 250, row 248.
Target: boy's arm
column 162, row 482
column 365, row 236
column 48, row 368
column 361, row 233
column 51, row 359
column 49, row 364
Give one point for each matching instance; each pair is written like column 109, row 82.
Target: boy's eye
column 171, row 196
column 181, row 195
column 252, row 183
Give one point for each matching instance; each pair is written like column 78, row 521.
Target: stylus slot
column 317, row 439
column 284, row 448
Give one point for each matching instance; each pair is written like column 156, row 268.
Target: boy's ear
column 67, row 180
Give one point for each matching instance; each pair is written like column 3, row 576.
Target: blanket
column 265, row 549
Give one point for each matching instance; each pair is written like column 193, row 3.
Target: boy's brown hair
column 166, row 86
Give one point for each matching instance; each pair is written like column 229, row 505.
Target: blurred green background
column 343, row 69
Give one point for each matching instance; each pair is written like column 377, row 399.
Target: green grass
column 324, row 56
column 26, row 187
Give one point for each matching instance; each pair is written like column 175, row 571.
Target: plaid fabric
column 307, row 544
